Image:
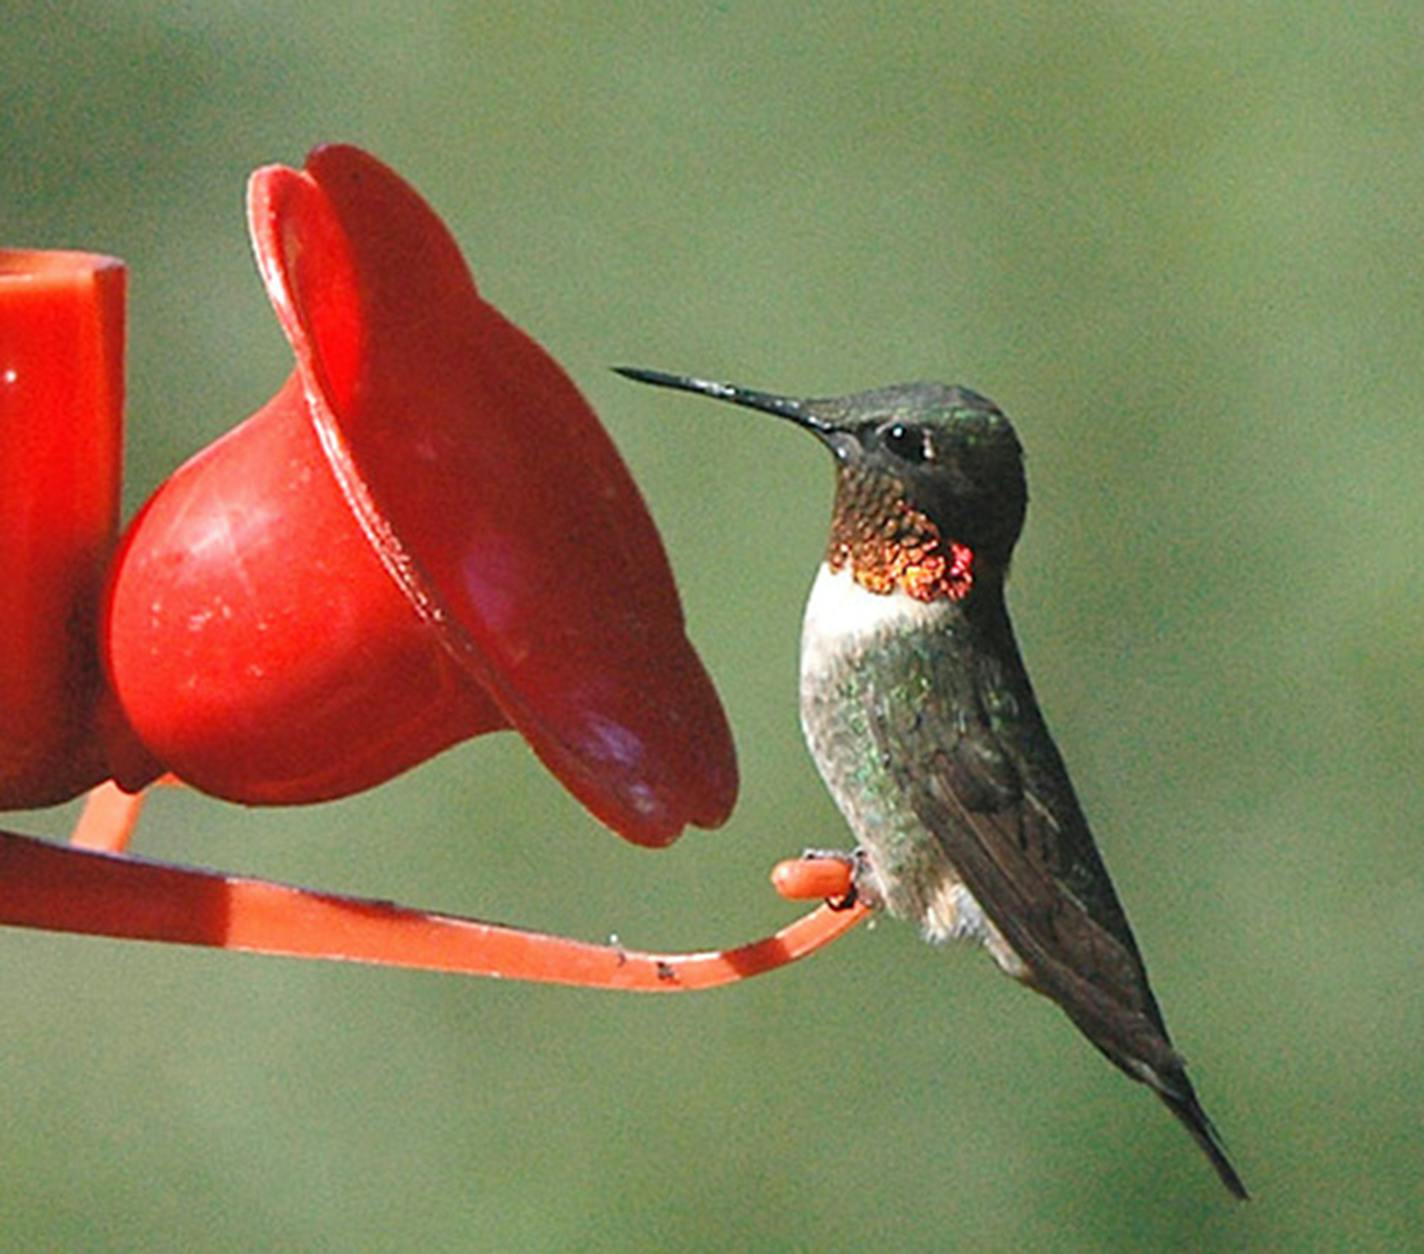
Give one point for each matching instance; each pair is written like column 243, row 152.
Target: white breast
column 842, row 617
column 840, row 614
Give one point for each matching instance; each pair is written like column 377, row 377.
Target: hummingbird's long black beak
column 787, row 407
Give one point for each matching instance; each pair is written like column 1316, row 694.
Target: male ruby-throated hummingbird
column 920, row 716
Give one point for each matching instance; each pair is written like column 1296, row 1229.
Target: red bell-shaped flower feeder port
column 425, row 535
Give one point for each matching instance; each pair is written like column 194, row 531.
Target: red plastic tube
column 61, row 432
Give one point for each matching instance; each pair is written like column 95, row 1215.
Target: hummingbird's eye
column 907, row 443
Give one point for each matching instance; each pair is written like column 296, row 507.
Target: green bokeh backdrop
column 1179, row 244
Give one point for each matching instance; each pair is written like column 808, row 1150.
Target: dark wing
column 976, row 760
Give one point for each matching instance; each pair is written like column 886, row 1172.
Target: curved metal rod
column 68, row 889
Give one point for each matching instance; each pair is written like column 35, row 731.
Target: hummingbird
column 918, row 711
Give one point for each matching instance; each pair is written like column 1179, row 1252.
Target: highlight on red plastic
column 425, row 535
column 107, row 822
column 61, row 415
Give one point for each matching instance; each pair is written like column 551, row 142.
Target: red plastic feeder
column 424, row 535
column 61, row 431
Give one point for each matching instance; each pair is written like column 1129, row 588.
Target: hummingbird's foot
column 864, row 883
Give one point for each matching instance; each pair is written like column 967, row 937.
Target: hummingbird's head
column 930, row 492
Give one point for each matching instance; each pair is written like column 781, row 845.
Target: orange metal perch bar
column 69, row 889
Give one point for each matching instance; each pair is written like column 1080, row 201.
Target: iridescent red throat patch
column 892, row 547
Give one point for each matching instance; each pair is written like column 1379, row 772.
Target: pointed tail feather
column 1182, row 1102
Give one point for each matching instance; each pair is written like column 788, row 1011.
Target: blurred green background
column 1180, row 245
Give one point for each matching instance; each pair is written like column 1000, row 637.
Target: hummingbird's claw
column 864, row 887
column 865, row 883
